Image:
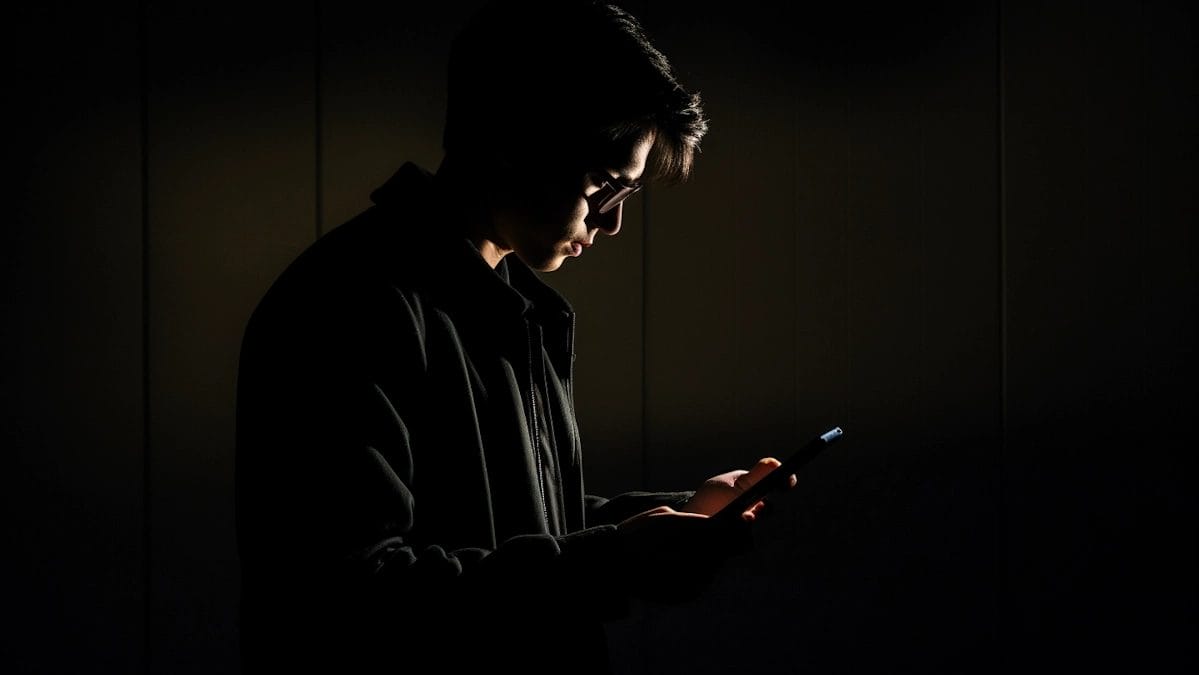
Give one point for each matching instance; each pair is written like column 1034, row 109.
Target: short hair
column 581, row 70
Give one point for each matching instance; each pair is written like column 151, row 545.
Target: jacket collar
column 423, row 216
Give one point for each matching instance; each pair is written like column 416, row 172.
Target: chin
column 542, row 261
column 551, row 264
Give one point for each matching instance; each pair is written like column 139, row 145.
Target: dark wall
column 962, row 231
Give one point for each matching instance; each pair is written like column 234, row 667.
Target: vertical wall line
column 645, row 624
column 848, row 501
column 848, row 241
column 646, row 196
column 796, row 226
column 1002, row 221
column 1142, row 241
column 143, row 29
column 318, row 113
column 1001, row 218
column 645, row 211
column 925, row 429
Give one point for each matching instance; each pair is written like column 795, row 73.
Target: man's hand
column 718, row 491
column 670, row 556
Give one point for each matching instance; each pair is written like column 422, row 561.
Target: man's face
column 555, row 217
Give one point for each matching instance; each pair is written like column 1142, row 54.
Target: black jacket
column 409, row 472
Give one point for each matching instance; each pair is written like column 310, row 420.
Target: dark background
column 963, row 231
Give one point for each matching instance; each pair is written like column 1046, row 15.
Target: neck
column 472, row 213
column 491, row 252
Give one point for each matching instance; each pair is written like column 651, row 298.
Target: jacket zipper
column 535, row 432
column 570, row 376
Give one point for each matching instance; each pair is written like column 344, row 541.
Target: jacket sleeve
column 324, row 496
column 376, row 513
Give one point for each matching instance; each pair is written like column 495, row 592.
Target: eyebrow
column 627, row 181
column 620, row 178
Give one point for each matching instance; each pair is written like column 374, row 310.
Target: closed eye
column 599, row 178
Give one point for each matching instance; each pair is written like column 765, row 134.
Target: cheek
column 563, row 218
column 547, row 216
column 577, row 213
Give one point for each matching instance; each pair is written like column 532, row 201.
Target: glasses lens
column 613, row 195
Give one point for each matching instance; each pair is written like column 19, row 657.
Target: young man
column 410, row 490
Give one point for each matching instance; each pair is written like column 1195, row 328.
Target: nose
column 608, row 223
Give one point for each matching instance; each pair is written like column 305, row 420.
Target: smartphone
column 778, row 479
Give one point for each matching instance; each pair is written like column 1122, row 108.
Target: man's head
column 554, row 109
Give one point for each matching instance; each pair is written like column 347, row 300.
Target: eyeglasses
column 611, row 193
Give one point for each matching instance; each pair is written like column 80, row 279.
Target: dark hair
column 582, row 72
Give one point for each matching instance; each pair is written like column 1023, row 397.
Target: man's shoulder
column 353, row 273
column 384, row 241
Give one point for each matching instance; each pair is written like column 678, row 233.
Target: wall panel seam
column 645, row 224
column 144, row 103
column 1001, row 589
column 318, row 131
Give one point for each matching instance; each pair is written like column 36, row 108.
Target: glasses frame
column 611, row 194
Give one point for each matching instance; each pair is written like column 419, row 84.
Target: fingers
column 752, row 514
column 677, row 514
column 769, row 462
column 638, row 519
column 756, row 511
column 667, row 512
column 641, row 519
